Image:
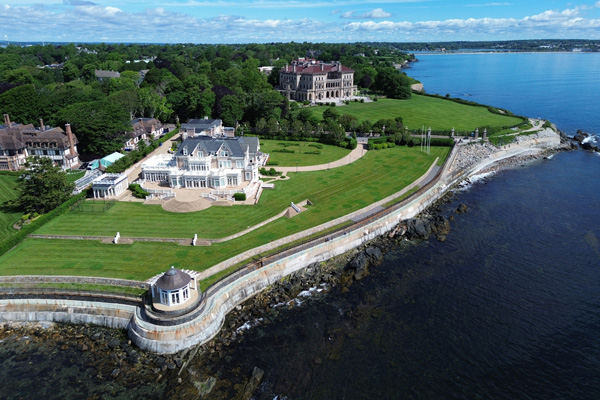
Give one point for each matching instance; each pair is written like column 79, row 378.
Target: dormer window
column 185, row 151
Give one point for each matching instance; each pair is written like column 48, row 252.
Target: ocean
column 508, row 307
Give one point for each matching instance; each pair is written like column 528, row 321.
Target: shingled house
column 18, row 141
column 311, row 80
column 142, row 129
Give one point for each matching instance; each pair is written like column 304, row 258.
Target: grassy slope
column 8, row 183
column 299, row 157
column 335, row 193
column 418, row 111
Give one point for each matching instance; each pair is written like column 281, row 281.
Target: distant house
column 142, row 129
column 108, row 186
column 207, row 162
column 103, row 75
column 205, row 127
column 18, row 141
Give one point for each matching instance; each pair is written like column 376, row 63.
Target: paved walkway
column 354, row 155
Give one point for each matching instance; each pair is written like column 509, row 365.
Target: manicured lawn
column 8, row 183
column 334, row 193
column 419, row 111
column 303, row 153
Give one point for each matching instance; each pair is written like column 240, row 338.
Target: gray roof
column 198, row 125
column 210, row 145
column 173, row 279
column 251, row 141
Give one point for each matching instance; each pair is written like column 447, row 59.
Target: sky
column 263, row 21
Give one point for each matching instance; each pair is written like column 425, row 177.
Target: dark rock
column 441, row 225
column 178, row 362
column 375, row 253
column 115, row 372
column 171, row 365
column 252, row 385
column 96, row 336
column 419, row 228
column 360, row 265
column 114, row 343
column 462, row 208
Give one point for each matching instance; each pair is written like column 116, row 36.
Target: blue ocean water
column 561, row 87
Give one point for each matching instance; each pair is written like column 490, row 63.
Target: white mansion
column 312, row 80
column 207, row 162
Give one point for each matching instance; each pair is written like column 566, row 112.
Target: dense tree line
column 58, row 84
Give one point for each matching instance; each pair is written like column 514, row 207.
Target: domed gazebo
column 174, row 289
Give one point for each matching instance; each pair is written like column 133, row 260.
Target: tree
column 43, row 186
column 393, row 84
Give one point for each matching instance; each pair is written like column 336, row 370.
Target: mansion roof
column 209, row 145
column 310, row 68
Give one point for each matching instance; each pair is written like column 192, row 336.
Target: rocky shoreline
column 586, row 141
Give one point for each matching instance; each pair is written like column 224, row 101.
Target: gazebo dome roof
column 173, row 279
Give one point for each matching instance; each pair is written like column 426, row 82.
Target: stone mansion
column 311, row 80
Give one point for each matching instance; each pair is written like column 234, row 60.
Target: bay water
column 507, row 308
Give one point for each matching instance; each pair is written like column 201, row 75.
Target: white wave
column 468, row 183
column 248, row 325
column 592, row 138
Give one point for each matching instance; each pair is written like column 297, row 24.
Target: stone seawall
column 111, row 315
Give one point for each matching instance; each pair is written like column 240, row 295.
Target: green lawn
column 8, row 183
column 334, row 192
column 303, row 153
column 418, row 111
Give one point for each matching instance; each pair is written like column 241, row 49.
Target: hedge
column 13, row 240
column 239, row 196
column 138, row 191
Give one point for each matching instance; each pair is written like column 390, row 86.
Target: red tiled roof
column 315, row 68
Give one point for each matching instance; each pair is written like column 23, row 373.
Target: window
column 248, row 176
column 239, row 164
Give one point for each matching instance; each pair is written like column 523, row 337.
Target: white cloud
column 377, row 13
column 545, row 24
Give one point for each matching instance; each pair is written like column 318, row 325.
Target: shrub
column 239, row 196
column 272, row 162
column 352, row 144
column 137, row 191
column 282, row 151
column 317, row 145
column 317, row 152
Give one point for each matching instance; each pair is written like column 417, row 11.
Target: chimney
column 42, row 128
column 294, row 67
column 70, row 136
column 7, row 121
column 322, row 67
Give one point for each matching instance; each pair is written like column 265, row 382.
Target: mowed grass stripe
column 374, row 177
column 419, row 111
column 8, row 183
